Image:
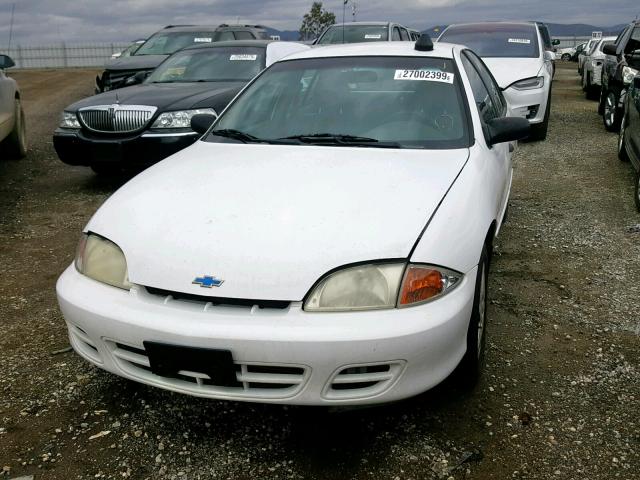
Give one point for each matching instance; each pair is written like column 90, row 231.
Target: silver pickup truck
column 13, row 138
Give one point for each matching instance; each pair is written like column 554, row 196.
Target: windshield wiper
column 345, row 140
column 237, row 135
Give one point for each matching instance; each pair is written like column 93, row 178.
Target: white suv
column 515, row 54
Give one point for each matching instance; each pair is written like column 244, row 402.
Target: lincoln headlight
column 181, row 118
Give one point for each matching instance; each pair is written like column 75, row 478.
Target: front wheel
column 566, row 57
column 611, row 115
column 16, row 143
column 539, row 130
column 472, row 363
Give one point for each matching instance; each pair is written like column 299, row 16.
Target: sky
column 40, row 22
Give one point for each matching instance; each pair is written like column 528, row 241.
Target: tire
column 591, row 91
column 611, row 114
column 566, row 57
column 16, row 143
column 539, row 130
column 637, row 191
column 471, row 366
column 623, row 155
column 106, row 169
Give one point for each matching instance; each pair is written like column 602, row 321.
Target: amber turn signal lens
column 421, row 284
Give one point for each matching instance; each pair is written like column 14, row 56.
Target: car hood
column 165, row 96
column 135, row 62
column 271, row 220
column 506, row 71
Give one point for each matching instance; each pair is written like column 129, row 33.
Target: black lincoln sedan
column 134, row 127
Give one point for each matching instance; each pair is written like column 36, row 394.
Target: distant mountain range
column 556, row 29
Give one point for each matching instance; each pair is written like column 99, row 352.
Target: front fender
column 456, row 234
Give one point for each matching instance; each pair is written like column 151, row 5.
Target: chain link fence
column 63, row 55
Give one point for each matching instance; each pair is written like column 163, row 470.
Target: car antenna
column 344, row 6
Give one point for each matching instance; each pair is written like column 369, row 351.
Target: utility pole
column 13, row 11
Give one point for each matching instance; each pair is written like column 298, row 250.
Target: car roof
column 494, row 24
column 189, row 28
column 231, row 43
column 348, row 24
column 377, row 49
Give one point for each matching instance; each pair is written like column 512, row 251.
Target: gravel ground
column 559, row 398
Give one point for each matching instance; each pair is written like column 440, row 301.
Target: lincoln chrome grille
column 116, row 118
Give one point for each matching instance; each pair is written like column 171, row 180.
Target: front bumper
column 281, row 356
column 529, row 104
column 74, row 147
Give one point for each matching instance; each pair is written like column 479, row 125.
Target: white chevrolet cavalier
column 326, row 242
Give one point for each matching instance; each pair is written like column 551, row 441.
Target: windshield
column 404, row 102
column 167, row 43
column 501, row 41
column 355, row 34
column 211, row 64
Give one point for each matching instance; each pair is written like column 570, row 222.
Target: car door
column 7, row 94
column 491, row 104
column 633, row 120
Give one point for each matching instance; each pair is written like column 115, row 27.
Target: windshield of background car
column 211, row 64
column 501, row 41
column 168, row 43
column 415, row 102
column 355, row 34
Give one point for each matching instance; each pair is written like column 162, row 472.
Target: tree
column 315, row 22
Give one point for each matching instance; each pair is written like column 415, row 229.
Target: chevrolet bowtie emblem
column 207, row 281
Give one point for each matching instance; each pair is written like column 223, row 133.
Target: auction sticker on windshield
column 424, row 75
column 370, row 36
column 243, row 57
column 202, row 40
column 524, row 41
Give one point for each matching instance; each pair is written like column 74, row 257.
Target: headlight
column 69, row 120
column 628, row 74
column 180, row 119
column 379, row 286
column 529, row 83
column 102, row 260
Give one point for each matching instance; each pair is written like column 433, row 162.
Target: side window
column 396, row 35
column 223, row 36
column 404, row 34
column 489, row 82
column 244, row 35
column 634, row 41
column 486, row 108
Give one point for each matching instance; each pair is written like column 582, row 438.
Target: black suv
column 621, row 65
column 124, row 72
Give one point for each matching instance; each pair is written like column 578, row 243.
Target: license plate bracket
column 167, row 360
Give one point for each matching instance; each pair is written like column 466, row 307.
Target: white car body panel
column 310, row 211
column 278, row 50
column 271, row 220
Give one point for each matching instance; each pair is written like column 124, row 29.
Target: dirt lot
column 561, row 394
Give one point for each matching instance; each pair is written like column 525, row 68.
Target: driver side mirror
column 609, row 49
column 507, row 129
column 549, row 56
column 201, row 122
column 555, row 42
column 6, row 62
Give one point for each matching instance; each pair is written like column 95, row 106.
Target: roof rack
column 174, row 26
